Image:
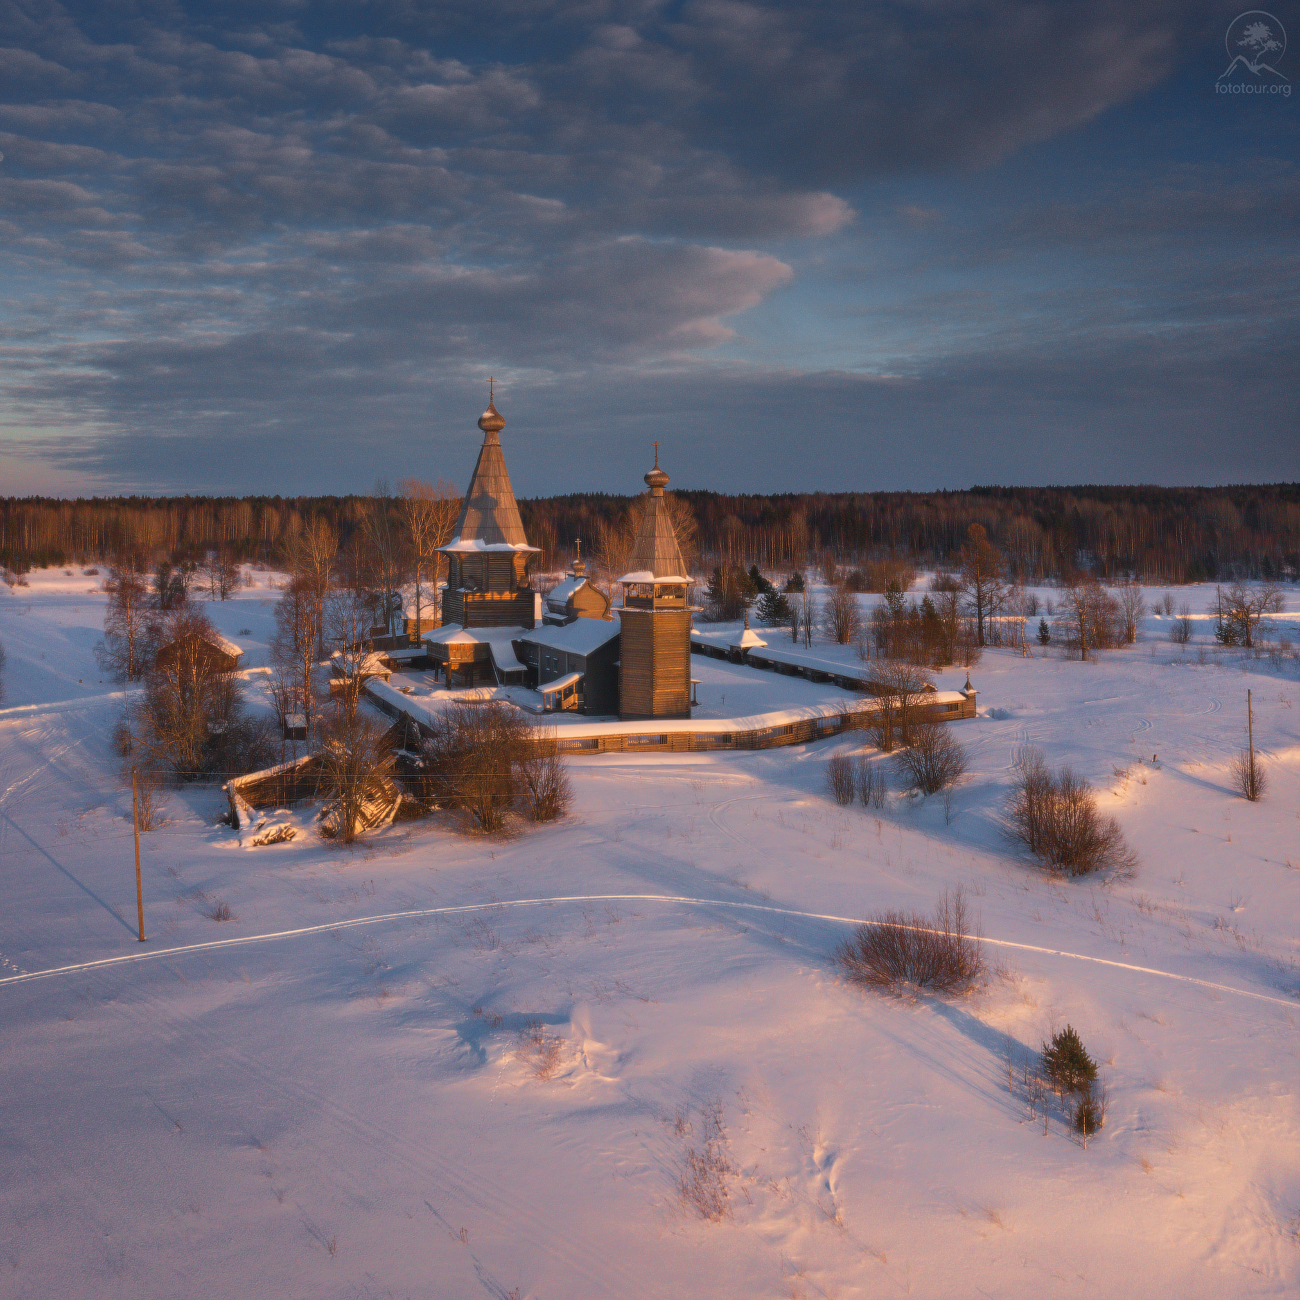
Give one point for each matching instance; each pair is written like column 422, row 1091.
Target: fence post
column 135, row 821
column 1250, row 734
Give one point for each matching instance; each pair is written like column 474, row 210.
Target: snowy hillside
column 450, row 1066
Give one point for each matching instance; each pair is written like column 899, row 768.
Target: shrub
column 703, row 1174
column 1248, row 776
column 893, row 949
column 841, row 778
column 935, row 759
column 1066, row 1062
column 473, row 759
column 150, row 802
column 190, row 700
column 871, row 784
column 1056, row 819
column 1181, row 632
column 843, row 619
column 355, row 773
column 219, row 910
column 541, row 1049
column 1090, row 1111
column 545, row 779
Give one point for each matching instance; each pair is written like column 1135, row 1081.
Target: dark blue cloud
column 835, row 245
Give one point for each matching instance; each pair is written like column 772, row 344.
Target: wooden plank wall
column 680, row 742
column 655, row 677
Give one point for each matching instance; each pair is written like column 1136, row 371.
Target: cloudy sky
column 279, row 247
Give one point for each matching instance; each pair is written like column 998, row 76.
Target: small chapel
column 571, row 646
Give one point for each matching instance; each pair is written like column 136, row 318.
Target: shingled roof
column 656, row 556
column 489, row 518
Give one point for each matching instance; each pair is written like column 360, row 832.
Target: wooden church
column 488, row 581
column 497, row 631
column 489, row 556
column 655, row 674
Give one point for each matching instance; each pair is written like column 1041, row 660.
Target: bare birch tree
column 311, row 555
column 982, row 576
column 430, row 511
column 295, row 644
column 379, row 528
column 188, row 698
column 1089, row 614
column 1241, row 609
column 129, row 622
column 1132, row 607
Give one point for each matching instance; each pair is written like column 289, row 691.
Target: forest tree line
column 1152, row 534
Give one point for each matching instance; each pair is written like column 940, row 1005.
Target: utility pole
column 1250, row 734
column 135, row 820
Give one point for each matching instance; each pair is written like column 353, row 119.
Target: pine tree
column 794, row 582
column 1044, row 632
column 1067, row 1063
column 773, row 608
column 759, row 583
column 730, row 593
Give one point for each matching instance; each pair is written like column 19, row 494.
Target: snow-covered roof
column 581, row 637
column 655, row 551
column 500, row 639
column 374, row 662
column 645, row 575
column 224, row 643
column 747, row 639
column 559, row 684
column 489, row 516
column 454, row 634
column 474, row 545
column 559, row 595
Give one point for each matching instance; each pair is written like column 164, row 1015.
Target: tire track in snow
column 463, row 908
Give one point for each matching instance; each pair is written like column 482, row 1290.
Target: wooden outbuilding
column 218, row 652
column 573, row 665
column 576, row 597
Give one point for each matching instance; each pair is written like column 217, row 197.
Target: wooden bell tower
column 655, row 640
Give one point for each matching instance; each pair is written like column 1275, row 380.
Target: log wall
column 655, row 677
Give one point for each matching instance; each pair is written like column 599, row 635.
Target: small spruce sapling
column 1044, row 632
column 1067, row 1064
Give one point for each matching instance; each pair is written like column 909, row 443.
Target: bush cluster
column 487, row 759
column 1055, row 817
column 896, row 949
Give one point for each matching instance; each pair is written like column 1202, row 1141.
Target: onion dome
column 656, row 480
column 491, row 421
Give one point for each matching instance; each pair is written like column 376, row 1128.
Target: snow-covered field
column 350, row 1110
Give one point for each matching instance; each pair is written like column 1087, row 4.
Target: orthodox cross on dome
column 491, row 381
column 656, row 453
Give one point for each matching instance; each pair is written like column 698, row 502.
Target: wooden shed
column 218, row 651
column 583, row 654
column 576, row 597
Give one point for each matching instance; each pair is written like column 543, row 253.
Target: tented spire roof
column 489, row 517
column 656, row 556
